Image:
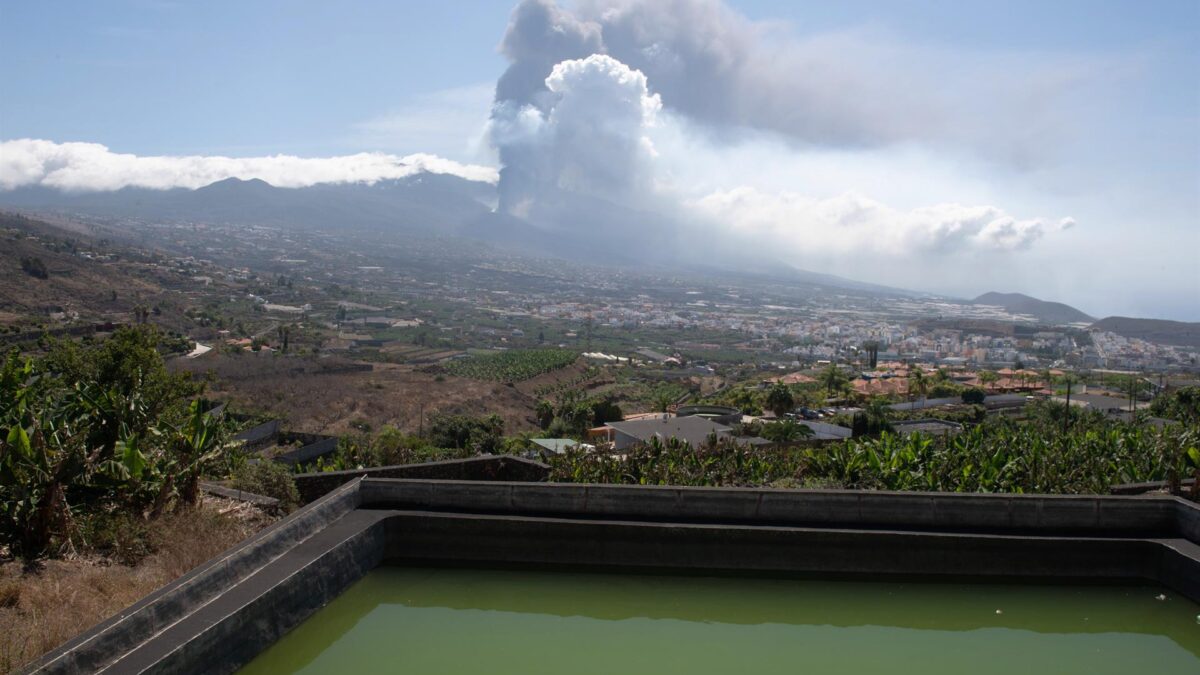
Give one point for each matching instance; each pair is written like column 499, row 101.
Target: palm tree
column 780, row 399
column 832, row 377
column 988, row 378
column 918, row 384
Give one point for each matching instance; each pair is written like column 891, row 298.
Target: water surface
column 468, row 622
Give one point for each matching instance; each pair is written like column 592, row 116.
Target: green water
column 469, row 622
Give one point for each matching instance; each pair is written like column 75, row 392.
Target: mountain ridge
column 1162, row 331
column 1042, row 310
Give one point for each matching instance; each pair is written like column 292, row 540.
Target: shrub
column 119, row 536
column 269, row 479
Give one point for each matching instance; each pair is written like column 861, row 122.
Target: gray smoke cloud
column 575, row 113
column 703, row 60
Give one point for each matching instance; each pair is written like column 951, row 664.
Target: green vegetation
column 463, row 432
column 512, row 366
column 780, row 400
column 1182, row 405
column 572, row 414
column 93, row 431
column 1000, row 455
column 269, row 479
column 390, row 446
column 34, row 267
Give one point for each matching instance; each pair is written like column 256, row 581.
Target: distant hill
column 1153, row 330
column 422, row 201
column 1042, row 310
column 95, row 290
column 424, row 204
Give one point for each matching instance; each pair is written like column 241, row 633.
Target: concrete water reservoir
column 222, row 615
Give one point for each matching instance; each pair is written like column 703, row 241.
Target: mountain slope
column 71, row 283
column 1153, row 330
column 1042, row 310
column 440, row 204
column 420, row 201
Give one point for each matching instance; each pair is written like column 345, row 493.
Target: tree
column 1068, row 380
column 832, row 378
column 872, row 351
column 872, row 420
column 1182, row 405
column 780, row 400
column 973, row 396
column 544, row 412
column 786, row 431
column 480, row 434
column 918, row 384
column 663, row 399
column 285, row 333
column 34, row 267
column 988, row 378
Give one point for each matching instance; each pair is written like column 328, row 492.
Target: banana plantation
column 87, row 432
column 1000, row 455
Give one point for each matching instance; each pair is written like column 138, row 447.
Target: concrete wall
column 122, row 634
column 860, row 509
column 313, row 486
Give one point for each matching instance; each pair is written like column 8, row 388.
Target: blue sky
column 1096, row 115
column 156, row 76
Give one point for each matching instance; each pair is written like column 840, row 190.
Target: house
column 929, row 427
column 1101, row 402
column 692, row 430
column 826, row 432
column 559, row 446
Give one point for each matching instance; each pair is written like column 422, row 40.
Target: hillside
column 1042, row 310
column 43, row 270
column 422, row 205
column 421, row 201
column 1160, row 331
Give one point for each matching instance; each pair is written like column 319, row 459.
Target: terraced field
column 512, row 366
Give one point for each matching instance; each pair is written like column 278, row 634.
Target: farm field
column 512, row 366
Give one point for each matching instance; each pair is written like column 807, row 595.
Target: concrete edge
column 956, row 512
column 135, row 624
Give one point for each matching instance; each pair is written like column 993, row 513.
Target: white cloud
column 852, row 224
column 91, row 167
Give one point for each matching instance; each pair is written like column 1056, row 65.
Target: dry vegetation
column 73, row 284
column 43, row 608
column 390, row 394
column 331, row 403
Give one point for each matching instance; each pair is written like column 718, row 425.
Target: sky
column 953, row 147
